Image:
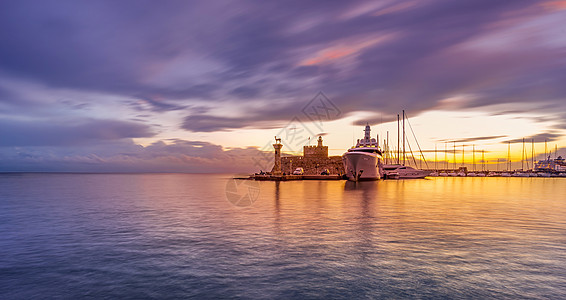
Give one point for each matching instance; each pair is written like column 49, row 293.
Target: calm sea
column 134, row 236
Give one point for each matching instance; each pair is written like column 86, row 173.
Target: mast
column 387, row 148
column 533, row 153
column 522, row 155
column 474, row 157
column 454, row 155
column 398, row 141
column 462, row 155
column 545, row 149
column 404, row 153
column 445, row 154
column 435, row 159
column 508, row 156
column 482, row 160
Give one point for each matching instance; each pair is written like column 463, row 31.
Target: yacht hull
column 404, row 172
column 361, row 166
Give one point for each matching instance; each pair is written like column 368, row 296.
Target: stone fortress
column 315, row 160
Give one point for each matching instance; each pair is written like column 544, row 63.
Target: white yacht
column 405, row 172
column 362, row 161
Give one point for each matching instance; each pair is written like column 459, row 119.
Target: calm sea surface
column 180, row 236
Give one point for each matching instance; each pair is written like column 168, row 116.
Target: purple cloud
column 124, row 156
column 538, row 138
column 193, row 57
column 69, row 133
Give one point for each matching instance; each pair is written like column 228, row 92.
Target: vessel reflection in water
column 362, row 161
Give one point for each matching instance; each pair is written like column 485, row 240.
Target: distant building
column 314, row 161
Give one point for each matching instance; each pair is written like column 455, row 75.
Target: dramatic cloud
column 125, row 156
column 203, row 123
column 70, row 133
column 71, row 72
column 538, row 138
column 474, row 139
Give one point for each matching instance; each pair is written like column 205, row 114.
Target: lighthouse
column 277, row 163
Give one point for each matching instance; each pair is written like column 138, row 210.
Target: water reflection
column 441, row 238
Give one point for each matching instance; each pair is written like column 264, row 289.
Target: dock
column 295, row 177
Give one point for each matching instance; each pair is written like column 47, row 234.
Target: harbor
column 366, row 160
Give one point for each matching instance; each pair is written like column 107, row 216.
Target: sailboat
column 522, row 173
column 482, row 173
column 398, row 170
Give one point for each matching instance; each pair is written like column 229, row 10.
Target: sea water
column 129, row 236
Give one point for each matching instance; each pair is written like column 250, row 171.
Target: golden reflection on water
column 434, row 238
column 494, row 236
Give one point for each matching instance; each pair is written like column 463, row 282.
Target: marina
column 367, row 160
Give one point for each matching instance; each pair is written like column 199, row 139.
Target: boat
column 363, row 161
column 400, row 170
column 405, row 172
column 551, row 166
column 472, row 174
column 443, row 174
column 391, row 175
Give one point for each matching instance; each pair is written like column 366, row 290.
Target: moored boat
column 362, row 161
column 405, row 172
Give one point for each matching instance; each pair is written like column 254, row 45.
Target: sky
column 204, row 86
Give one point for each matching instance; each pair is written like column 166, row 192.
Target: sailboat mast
column 404, row 153
column 454, row 155
column 533, row 153
column 545, row 149
column 508, row 156
column 474, row 157
column 462, row 155
column 398, row 141
column 435, row 159
column 387, row 148
column 523, row 155
column 445, row 153
column 482, row 160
